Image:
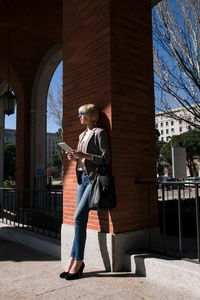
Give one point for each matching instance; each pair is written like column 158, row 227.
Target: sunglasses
column 81, row 113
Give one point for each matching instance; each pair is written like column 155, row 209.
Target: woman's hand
column 70, row 156
column 81, row 155
column 78, row 154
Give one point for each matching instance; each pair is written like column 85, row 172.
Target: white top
column 81, row 162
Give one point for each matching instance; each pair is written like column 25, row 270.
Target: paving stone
column 27, row 274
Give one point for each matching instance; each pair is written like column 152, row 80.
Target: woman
column 92, row 150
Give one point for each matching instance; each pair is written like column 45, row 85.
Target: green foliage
column 55, row 161
column 8, row 183
column 9, row 160
column 191, row 141
column 159, row 146
column 165, row 151
column 159, row 159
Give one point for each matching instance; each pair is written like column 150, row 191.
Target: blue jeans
column 81, row 218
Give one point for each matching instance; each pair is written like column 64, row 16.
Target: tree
column 55, row 112
column 159, row 159
column 56, row 161
column 176, row 31
column 52, row 171
column 55, row 104
column 191, row 141
column 9, row 161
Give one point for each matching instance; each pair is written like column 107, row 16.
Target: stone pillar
column 2, row 118
column 107, row 49
column 3, row 87
column 23, row 141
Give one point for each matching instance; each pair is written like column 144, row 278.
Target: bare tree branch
column 176, row 32
column 55, row 104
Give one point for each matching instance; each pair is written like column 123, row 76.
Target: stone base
column 108, row 251
column 31, row 239
column 171, row 272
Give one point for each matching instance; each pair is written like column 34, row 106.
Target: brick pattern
column 86, row 55
column 108, row 61
column 133, row 113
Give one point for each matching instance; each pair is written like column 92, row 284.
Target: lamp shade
column 7, row 102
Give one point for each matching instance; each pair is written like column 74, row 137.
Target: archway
column 16, row 86
column 38, row 109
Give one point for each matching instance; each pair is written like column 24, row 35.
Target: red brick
column 108, row 61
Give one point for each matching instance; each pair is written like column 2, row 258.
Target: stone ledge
column 31, row 239
column 176, row 273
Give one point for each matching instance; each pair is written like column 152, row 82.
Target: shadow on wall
column 103, row 246
column 103, row 215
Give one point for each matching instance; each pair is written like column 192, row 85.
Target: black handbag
column 103, row 194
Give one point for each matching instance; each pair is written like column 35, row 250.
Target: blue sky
column 10, row 121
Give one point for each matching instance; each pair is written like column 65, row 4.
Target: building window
column 167, row 131
column 168, row 138
column 180, row 121
column 166, row 123
column 172, row 123
column 172, row 129
column 161, row 131
column 180, row 129
column 189, row 127
column 162, row 138
column 156, row 125
column 161, row 124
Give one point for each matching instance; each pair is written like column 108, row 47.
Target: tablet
column 65, row 147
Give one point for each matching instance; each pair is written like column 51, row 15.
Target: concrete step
column 172, row 272
column 31, row 239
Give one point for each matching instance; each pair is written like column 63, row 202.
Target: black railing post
column 164, row 219
column 191, row 195
column 197, row 220
column 180, row 220
column 149, row 214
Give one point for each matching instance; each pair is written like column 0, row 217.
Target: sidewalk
column 28, row 274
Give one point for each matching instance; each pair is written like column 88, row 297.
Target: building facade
column 51, row 140
column 169, row 127
column 52, row 146
column 10, row 136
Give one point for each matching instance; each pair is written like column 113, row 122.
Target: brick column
column 23, row 142
column 2, row 120
column 107, row 47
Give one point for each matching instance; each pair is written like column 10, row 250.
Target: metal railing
column 35, row 210
column 179, row 218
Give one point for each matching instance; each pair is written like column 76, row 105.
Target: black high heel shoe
column 76, row 275
column 63, row 274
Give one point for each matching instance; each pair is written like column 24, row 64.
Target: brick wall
column 108, row 61
column 133, row 112
column 86, row 55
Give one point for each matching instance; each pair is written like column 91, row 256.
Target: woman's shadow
column 103, row 215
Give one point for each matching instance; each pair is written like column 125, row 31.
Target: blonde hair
column 91, row 110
